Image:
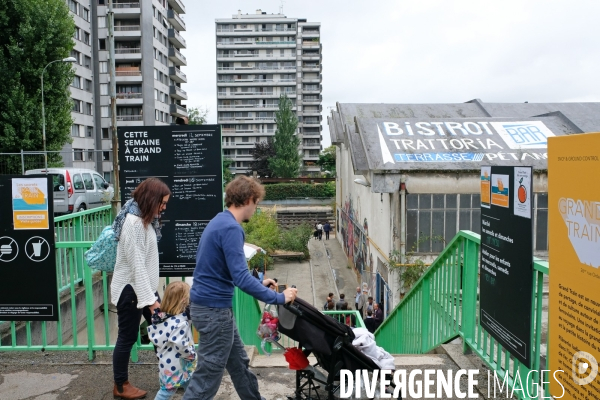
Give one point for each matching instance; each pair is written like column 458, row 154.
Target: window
column 77, row 156
column 85, row 14
column 155, row 74
column 86, row 37
column 77, row 55
column 103, row 67
column 90, row 155
column 88, row 85
column 107, row 176
column 104, row 112
column 76, row 105
column 75, row 130
column 87, row 62
column 88, row 109
column 102, row 44
column 105, row 134
column 73, row 6
column 106, row 156
column 101, row 22
column 156, row 115
column 90, row 131
column 77, row 34
column 245, row 139
column 99, row 181
column 87, row 181
column 104, row 89
column 76, row 82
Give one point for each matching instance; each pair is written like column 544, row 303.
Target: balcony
column 176, row 39
column 128, row 53
column 312, row 67
column 128, row 74
column 290, row 69
column 178, row 6
column 178, row 111
column 129, row 118
column 175, row 20
column 309, row 101
column 310, row 33
column 176, row 75
column 308, row 89
column 316, row 145
column 310, row 44
column 176, row 56
column 128, row 31
column 129, row 98
column 177, row 92
column 318, row 79
column 132, row 8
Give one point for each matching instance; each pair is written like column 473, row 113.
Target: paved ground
column 69, row 375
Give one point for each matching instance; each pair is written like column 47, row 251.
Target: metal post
column 44, row 123
column 116, row 201
column 22, row 163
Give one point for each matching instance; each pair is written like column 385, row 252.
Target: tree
column 327, row 160
column 197, row 115
column 34, row 34
column 286, row 162
column 227, row 175
column 261, row 153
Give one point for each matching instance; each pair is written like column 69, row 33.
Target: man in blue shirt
column 220, row 266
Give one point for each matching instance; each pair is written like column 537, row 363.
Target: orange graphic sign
column 574, row 228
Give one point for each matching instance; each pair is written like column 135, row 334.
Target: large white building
column 148, row 62
column 259, row 57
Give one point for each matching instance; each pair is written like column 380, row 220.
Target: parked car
column 77, row 189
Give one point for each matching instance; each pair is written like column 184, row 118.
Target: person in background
column 360, row 300
column 330, row 306
column 377, row 315
column 255, row 273
column 326, row 229
column 329, row 298
column 339, row 304
column 369, row 305
column 320, row 230
column 135, row 278
column 220, row 267
column 171, row 333
column 370, row 322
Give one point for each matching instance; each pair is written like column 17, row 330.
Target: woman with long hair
column 135, row 280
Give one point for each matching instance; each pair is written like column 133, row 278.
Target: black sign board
column 506, row 257
column 28, row 287
column 188, row 160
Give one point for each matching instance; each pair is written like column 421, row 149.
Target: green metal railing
column 444, row 304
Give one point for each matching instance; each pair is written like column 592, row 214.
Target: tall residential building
column 148, row 63
column 259, row 57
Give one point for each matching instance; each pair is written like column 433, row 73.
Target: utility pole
column 116, row 201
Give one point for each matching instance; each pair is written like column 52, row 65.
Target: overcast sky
column 424, row 51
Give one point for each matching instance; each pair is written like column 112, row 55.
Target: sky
column 424, row 51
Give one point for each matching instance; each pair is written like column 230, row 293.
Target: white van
column 76, row 189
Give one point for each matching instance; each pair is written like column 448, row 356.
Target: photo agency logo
column 431, row 383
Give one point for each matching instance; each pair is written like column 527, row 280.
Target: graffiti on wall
column 355, row 240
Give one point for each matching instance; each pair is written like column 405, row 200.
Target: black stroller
column 328, row 340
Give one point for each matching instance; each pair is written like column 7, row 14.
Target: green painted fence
column 444, row 304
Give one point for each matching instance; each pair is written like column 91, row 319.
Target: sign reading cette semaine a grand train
column 406, row 144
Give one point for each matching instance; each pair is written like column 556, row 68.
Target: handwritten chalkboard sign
column 188, row 160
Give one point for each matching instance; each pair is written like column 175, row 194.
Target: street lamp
column 69, row 60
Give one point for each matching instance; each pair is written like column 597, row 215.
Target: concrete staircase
column 292, row 216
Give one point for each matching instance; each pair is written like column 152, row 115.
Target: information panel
column 506, row 253
column 28, row 288
column 574, row 303
column 188, row 160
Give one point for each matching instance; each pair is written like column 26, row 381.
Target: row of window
column 158, row 35
column 258, row 90
column 160, row 96
column 90, row 155
column 237, row 39
column 160, row 57
column 82, row 130
column 252, row 53
column 82, row 83
column 264, row 77
column 161, row 116
column 83, row 107
column 162, row 78
column 82, row 35
column 78, row 9
column 247, row 114
column 83, row 60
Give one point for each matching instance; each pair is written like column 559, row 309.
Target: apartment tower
column 148, row 62
column 259, row 57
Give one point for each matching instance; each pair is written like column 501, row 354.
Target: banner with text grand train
column 456, row 144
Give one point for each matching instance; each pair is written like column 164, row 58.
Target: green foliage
column 282, row 191
column 261, row 153
column 286, row 162
column 296, row 238
column 260, row 260
column 262, row 230
column 413, row 267
column 197, row 115
column 227, row 175
column 327, row 160
column 34, row 33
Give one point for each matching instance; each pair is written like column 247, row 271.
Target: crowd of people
column 321, row 227
column 370, row 311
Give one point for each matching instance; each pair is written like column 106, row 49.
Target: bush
column 296, row 238
column 262, row 230
column 282, row 191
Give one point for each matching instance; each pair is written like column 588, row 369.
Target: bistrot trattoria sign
column 455, row 144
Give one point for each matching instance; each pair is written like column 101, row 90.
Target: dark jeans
column 326, row 235
column 320, row 231
column 129, row 317
column 219, row 348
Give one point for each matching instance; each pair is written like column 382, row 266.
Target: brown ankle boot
column 127, row 391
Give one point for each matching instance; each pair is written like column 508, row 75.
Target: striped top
column 137, row 262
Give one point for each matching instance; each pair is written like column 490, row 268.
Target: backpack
column 102, row 255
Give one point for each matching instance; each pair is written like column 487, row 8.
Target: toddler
column 171, row 333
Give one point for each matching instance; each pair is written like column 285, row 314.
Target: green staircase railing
column 444, row 304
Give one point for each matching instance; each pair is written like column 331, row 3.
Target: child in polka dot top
column 171, row 333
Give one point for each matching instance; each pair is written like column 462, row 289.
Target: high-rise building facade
column 148, row 62
column 260, row 57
